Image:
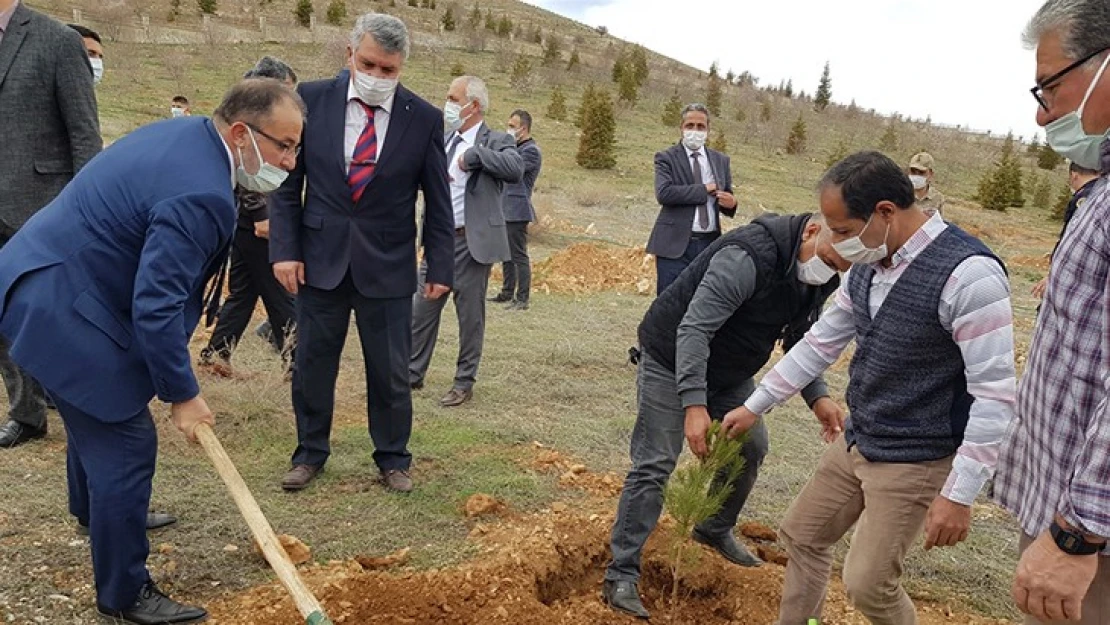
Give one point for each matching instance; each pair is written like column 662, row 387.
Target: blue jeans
column 668, row 269
column 657, row 440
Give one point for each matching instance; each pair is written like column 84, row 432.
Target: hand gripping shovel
column 306, row 603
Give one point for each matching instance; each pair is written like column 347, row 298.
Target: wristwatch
column 1073, row 542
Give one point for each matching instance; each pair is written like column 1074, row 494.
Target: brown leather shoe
column 300, row 476
column 456, row 397
column 397, row 480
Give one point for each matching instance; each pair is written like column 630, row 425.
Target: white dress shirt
column 707, row 177
column 356, row 123
column 456, row 176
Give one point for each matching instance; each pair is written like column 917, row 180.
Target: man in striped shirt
column 930, row 394
column 1054, row 466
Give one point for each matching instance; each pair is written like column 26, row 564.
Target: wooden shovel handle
column 272, row 550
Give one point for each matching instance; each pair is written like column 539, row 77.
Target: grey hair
column 1083, row 25
column 389, row 32
column 270, row 67
column 696, row 106
column 253, row 100
column 476, row 90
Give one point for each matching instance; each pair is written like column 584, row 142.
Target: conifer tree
column 796, row 142
column 672, row 112
column 824, row 91
column 596, row 148
column 557, row 109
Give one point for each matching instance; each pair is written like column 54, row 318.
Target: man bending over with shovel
column 102, row 289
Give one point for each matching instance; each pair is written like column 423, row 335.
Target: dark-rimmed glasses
column 1048, row 83
column 285, row 148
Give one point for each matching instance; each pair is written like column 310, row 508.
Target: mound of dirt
column 541, row 570
column 590, row 267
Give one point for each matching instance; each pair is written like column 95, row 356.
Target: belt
column 704, row 235
column 460, row 231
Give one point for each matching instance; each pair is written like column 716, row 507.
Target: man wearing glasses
column 250, row 276
column 1054, row 467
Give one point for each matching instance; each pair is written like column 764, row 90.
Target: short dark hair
column 867, row 178
column 180, row 99
column 1080, row 170
column 86, row 33
column 252, row 100
column 270, row 67
column 525, row 118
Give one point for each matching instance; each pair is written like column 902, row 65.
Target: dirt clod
column 767, row 553
column 298, row 552
column 481, row 504
column 397, row 558
column 759, row 531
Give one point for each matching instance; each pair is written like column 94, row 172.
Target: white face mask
column 268, row 177
column 373, row 90
column 514, row 133
column 452, row 118
column 177, row 111
column 694, row 139
column 98, row 70
column 854, row 251
column 1067, row 137
column 919, row 182
column 815, row 272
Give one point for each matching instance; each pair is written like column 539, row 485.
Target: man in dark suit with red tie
column 343, row 238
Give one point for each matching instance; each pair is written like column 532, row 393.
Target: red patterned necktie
column 365, row 157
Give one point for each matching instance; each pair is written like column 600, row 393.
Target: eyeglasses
column 1048, row 83
column 285, row 148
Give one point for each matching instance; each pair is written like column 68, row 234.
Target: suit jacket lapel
column 13, row 39
column 482, row 139
column 336, row 122
column 399, row 119
column 684, row 164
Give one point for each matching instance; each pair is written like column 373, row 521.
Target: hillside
column 755, row 122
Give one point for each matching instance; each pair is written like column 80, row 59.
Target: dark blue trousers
column 109, row 468
column 385, row 331
column 667, row 269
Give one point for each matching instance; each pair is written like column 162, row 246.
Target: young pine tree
column 713, row 91
column 824, row 91
column 557, row 109
column 491, row 24
column 474, row 20
column 719, row 142
column 599, row 134
column 839, row 153
column 457, row 69
column 1042, row 194
column 694, row 494
column 628, row 89
column 207, row 6
column 574, row 62
column 448, row 20
column 1060, row 209
column 337, row 12
column 304, row 12
column 520, row 77
column 1048, row 159
column 672, row 112
column 796, row 142
column 553, row 51
column 889, row 141
column 765, row 112
column 588, row 95
column 504, row 26
column 637, row 60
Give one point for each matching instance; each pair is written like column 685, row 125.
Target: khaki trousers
column 1096, row 605
column 887, row 503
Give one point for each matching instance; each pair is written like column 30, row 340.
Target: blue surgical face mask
column 1067, row 137
column 268, row 177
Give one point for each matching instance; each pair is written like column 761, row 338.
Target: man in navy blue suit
column 101, row 290
column 343, row 237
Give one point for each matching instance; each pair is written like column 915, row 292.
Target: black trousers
column 517, row 271
column 385, row 331
column 250, row 277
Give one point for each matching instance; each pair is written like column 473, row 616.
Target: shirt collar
column 921, row 239
column 689, row 152
column 470, row 136
column 6, row 16
column 352, row 94
column 230, row 159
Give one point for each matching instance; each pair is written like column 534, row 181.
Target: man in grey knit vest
column 930, row 392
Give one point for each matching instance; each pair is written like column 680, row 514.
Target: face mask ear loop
column 1094, row 83
column 257, row 152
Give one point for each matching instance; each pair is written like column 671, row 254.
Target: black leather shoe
column 14, row 433
column 623, row 597
column 154, row 608
column 500, row 298
column 729, row 548
column 154, row 520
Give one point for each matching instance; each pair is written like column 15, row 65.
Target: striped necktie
column 365, row 157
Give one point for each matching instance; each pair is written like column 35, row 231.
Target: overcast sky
column 960, row 61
